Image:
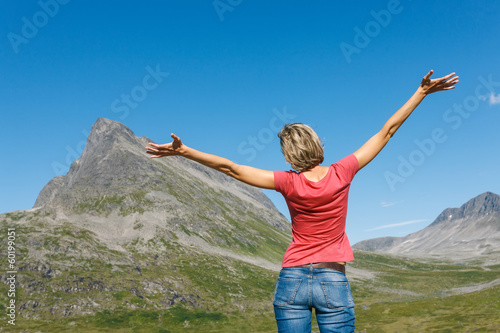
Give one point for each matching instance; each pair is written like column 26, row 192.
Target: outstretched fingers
column 444, row 78
column 449, row 81
column 153, row 147
column 155, row 150
column 152, row 152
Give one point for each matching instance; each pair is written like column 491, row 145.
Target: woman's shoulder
column 348, row 165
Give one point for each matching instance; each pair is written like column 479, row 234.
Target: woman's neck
column 316, row 173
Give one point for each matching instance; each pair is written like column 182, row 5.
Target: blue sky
column 225, row 75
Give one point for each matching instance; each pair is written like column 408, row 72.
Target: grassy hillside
column 68, row 280
column 410, row 296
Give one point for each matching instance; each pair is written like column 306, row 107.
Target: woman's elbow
column 230, row 170
column 388, row 132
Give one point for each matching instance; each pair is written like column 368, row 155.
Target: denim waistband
column 310, row 271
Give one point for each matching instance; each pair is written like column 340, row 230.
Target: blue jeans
column 298, row 290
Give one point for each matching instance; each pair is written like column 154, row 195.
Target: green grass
column 126, row 204
column 412, row 296
column 176, row 319
column 415, row 279
column 477, row 311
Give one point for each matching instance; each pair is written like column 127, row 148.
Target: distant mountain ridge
column 469, row 231
column 477, row 207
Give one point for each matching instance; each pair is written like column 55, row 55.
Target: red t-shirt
column 318, row 211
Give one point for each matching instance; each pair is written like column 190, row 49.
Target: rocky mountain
column 471, row 231
column 121, row 231
column 116, row 191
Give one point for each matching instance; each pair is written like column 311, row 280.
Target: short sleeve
column 347, row 167
column 281, row 181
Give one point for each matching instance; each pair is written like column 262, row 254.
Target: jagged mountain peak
column 106, row 128
column 111, row 151
column 105, row 125
column 481, row 205
column 104, row 133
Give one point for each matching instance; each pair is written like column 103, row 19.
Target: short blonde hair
column 301, row 146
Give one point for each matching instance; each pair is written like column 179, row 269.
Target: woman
column 313, row 268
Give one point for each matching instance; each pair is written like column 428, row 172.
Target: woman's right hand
column 429, row 86
column 168, row 149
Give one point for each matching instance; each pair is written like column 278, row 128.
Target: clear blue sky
column 237, row 70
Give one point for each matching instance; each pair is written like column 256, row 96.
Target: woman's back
column 318, row 211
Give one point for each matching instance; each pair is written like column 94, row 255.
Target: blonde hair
column 301, row 146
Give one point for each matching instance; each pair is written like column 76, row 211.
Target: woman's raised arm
column 374, row 145
column 249, row 175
